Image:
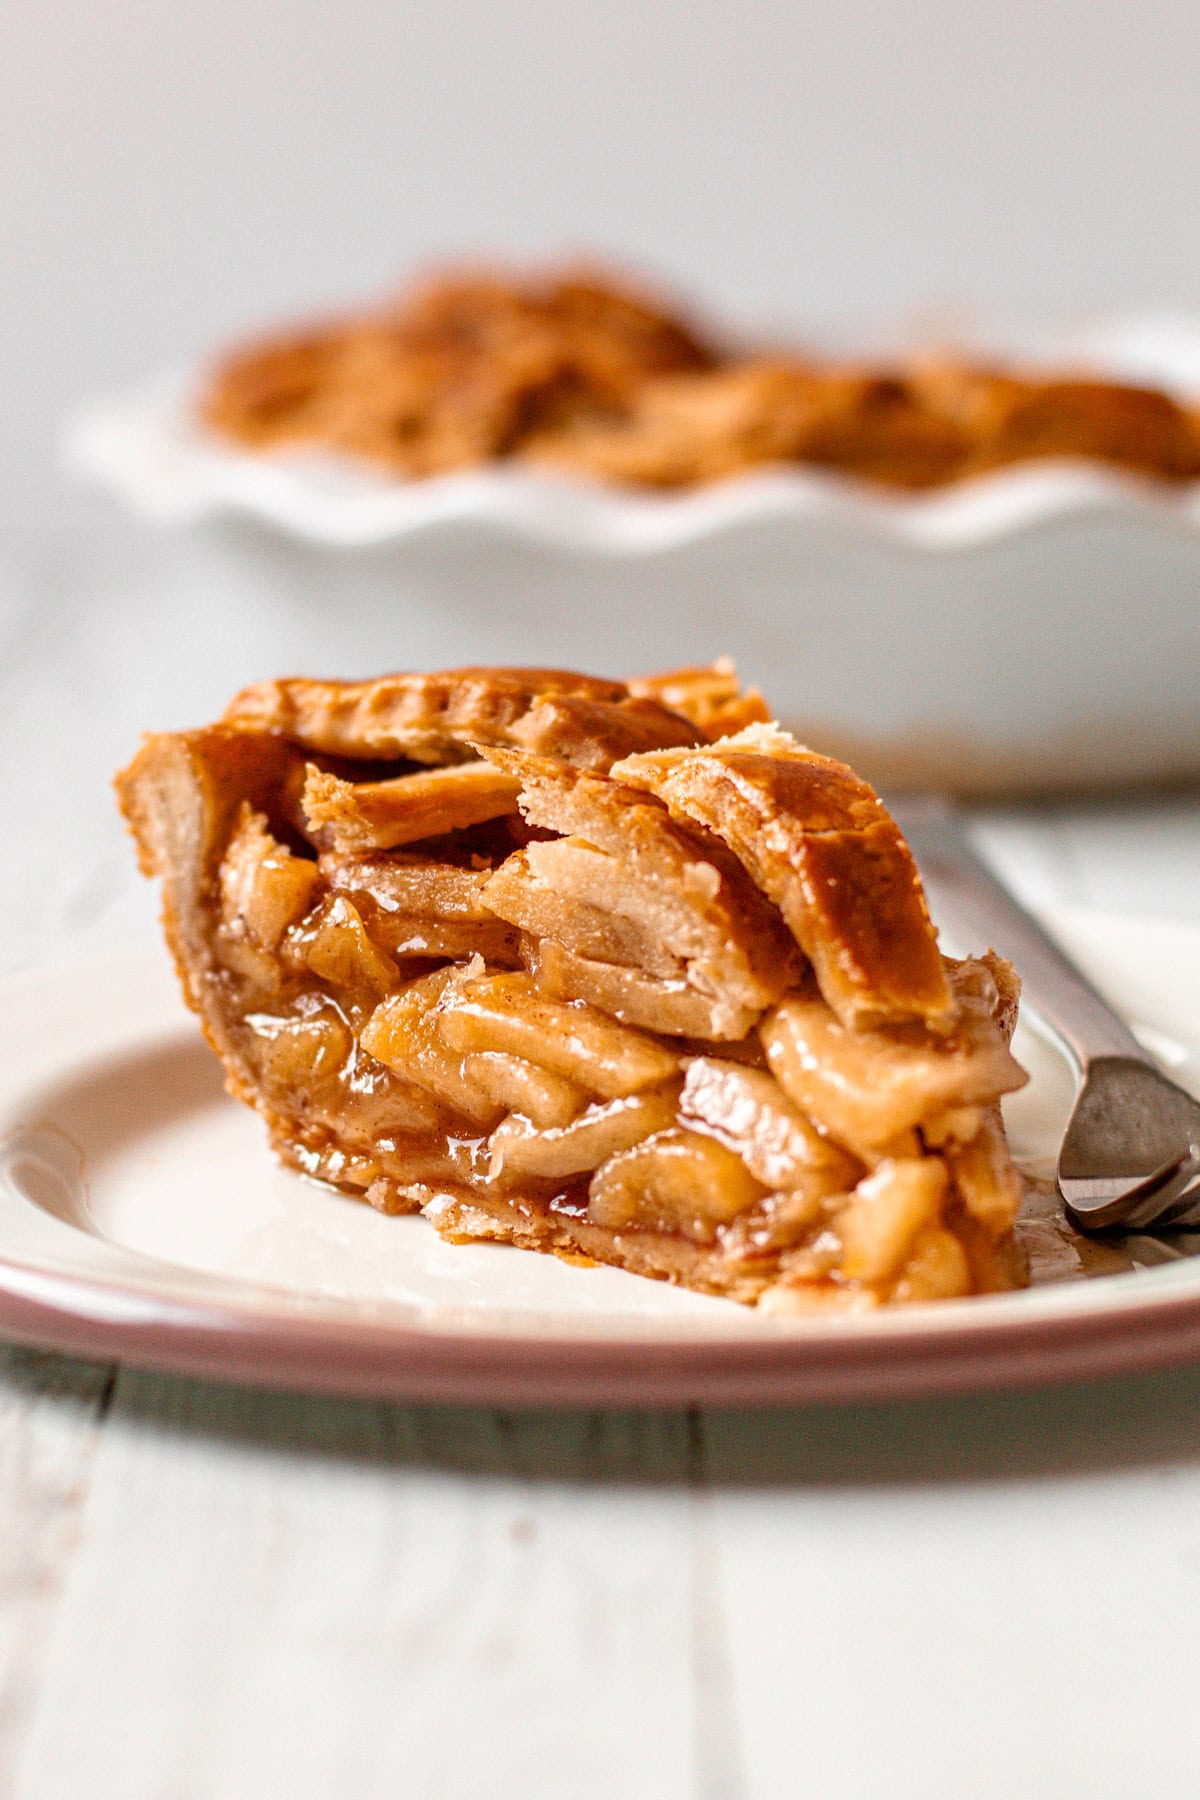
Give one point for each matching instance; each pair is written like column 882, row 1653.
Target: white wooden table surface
column 210, row 1594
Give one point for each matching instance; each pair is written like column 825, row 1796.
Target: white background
column 174, row 173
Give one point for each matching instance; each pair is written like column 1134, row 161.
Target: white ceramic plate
column 1033, row 628
column 142, row 1218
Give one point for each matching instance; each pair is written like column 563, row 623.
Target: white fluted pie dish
column 1033, row 628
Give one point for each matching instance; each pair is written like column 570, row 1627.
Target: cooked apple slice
column 335, row 945
column 571, row 893
column 264, row 888
column 748, row 1110
column 509, row 1012
column 422, row 908
column 885, row 1213
column 602, row 1131
column 403, row 1034
column 867, row 1089
column 546, row 1100
column 670, row 1006
column 676, row 1180
column 985, row 1178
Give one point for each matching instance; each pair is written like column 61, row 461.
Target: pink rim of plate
column 941, row 1350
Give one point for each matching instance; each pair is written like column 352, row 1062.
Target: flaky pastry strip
column 818, row 842
column 354, row 816
column 437, row 718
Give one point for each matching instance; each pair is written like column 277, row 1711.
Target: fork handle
column 966, row 897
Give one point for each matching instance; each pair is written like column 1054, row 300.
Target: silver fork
column 1130, row 1159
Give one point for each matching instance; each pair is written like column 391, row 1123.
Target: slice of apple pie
column 617, row 971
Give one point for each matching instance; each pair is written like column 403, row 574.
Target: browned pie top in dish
column 619, row 971
column 578, row 372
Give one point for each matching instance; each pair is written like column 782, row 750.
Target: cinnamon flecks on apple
column 618, row 971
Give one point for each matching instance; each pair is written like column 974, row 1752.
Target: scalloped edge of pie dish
column 146, row 447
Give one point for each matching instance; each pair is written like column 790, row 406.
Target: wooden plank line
column 51, row 1409
column 719, row 1772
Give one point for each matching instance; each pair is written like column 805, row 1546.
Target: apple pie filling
column 618, row 972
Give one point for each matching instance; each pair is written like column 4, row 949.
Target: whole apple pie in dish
column 619, row 971
column 575, row 371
